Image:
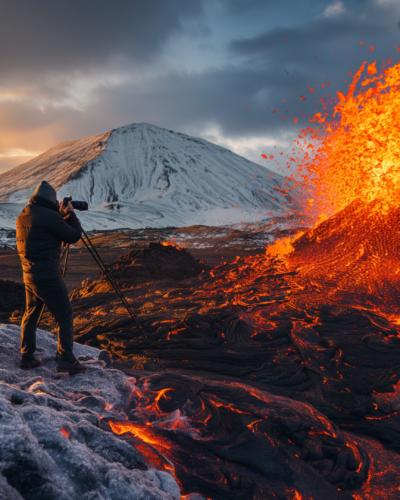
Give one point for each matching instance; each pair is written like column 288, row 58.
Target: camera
column 78, row 205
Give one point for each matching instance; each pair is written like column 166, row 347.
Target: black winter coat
column 40, row 231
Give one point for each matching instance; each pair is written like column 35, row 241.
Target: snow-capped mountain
column 141, row 175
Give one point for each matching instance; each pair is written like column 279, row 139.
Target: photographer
column 41, row 228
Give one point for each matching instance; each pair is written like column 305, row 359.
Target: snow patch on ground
column 52, row 441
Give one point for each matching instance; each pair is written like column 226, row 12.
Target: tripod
column 92, row 250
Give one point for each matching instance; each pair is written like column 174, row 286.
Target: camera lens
column 80, row 205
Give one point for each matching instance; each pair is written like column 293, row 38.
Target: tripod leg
column 110, row 278
column 65, row 262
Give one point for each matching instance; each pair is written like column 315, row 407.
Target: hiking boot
column 71, row 367
column 29, row 362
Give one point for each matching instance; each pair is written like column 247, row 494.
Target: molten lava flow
column 170, row 243
column 283, row 246
column 144, row 433
column 357, row 148
column 34, row 387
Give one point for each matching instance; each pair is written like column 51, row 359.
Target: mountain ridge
column 141, row 175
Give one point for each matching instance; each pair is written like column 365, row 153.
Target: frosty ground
column 52, row 442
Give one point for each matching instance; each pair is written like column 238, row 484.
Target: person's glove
column 66, row 206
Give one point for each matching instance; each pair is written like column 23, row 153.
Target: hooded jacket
column 40, row 231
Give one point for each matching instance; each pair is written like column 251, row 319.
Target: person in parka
column 41, row 228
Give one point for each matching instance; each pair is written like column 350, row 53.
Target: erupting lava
column 356, row 151
column 170, row 243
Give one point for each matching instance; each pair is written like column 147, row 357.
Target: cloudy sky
column 216, row 69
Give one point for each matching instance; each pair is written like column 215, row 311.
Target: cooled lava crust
column 282, row 373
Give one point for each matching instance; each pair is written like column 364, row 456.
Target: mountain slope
column 141, row 175
column 55, row 165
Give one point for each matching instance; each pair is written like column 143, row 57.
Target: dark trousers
column 54, row 295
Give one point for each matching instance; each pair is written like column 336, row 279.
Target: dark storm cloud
column 294, row 46
column 247, row 6
column 292, row 59
column 259, row 77
column 192, row 102
column 59, row 49
column 46, row 36
column 184, row 102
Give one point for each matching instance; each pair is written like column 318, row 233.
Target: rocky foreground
column 55, row 442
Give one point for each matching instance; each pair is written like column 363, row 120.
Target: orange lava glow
column 170, row 243
column 186, row 496
column 65, row 432
column 143, row 433
column 283, row 246
column 356, row 150
column 162, row 393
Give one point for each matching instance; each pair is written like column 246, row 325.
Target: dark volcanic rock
column 226, row 434
column 158, row 260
